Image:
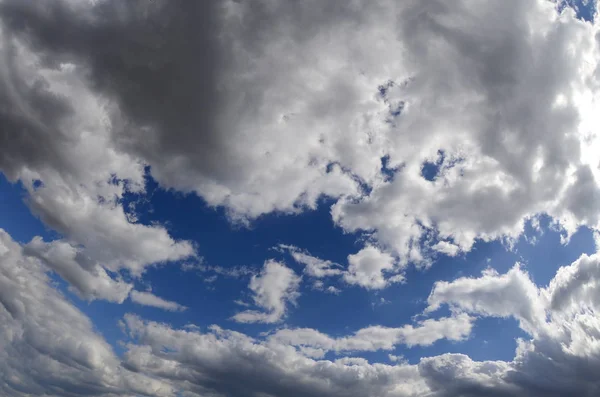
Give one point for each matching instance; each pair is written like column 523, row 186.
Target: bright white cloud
column 561, row 320
column 370, row 267
column 149, row 299
column 447, row 248
column 272, row 291
column 510, row 294
column 380, row 338
column 314, row 267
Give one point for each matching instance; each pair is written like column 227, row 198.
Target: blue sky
column 355, row 308
column 270, row 199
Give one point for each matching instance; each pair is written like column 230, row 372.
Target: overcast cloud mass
column 423, row 128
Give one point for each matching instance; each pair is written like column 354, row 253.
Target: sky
column 280, row 198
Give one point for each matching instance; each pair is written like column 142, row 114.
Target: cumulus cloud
column 42, row 354
column 352, row 111
column 267, row 106
column 272, row 291
column 560, row 358
column 48, row 346
column 474, row 92
column 368, row 267
column 447, row 248
column 561, row 319
column 379, row 338
column 511, row 294
column 229, row 363
column 149, row 299
column 177, row 124
column 57, row 140
column 87, row 278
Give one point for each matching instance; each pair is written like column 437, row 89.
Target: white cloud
column 370, row 267
column 318, row 121
column 596, row 235
column 229, row 363
column 499, row 167
column 396, row 359
column 446, row 248
column 561, row 358
column 273, row 289
column 510, row 294
column 266, row 106
column 48, row 346
column 103, row 229
column 87, row 278
column 59, row 143
column 560, row 318
column 333, row 290
column 229, row 271
column 380, row 338
column 314, row 267
column 149, row 299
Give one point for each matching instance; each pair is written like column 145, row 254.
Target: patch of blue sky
column 543, row 254
column 15, row 216
column 431, row 169
column 337, row 315
column 220, row 244
column 584, row 9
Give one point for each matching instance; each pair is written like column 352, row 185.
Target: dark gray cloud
column 155, row 59
column 55, row 138
column 29, row 118
column 249, row 104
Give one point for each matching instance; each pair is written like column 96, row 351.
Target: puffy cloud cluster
column 227, row 363
column 375, row 338
column 561, row 358
column 273, row 289
column 57, row 139
column 47, row 346
column 370, row 268
column 367, row 268
column 266, row 106
column 259, row 112
column 50, row 348
column 263, row 106
column 562, row 320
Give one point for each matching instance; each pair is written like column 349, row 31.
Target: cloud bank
column 264, row 107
